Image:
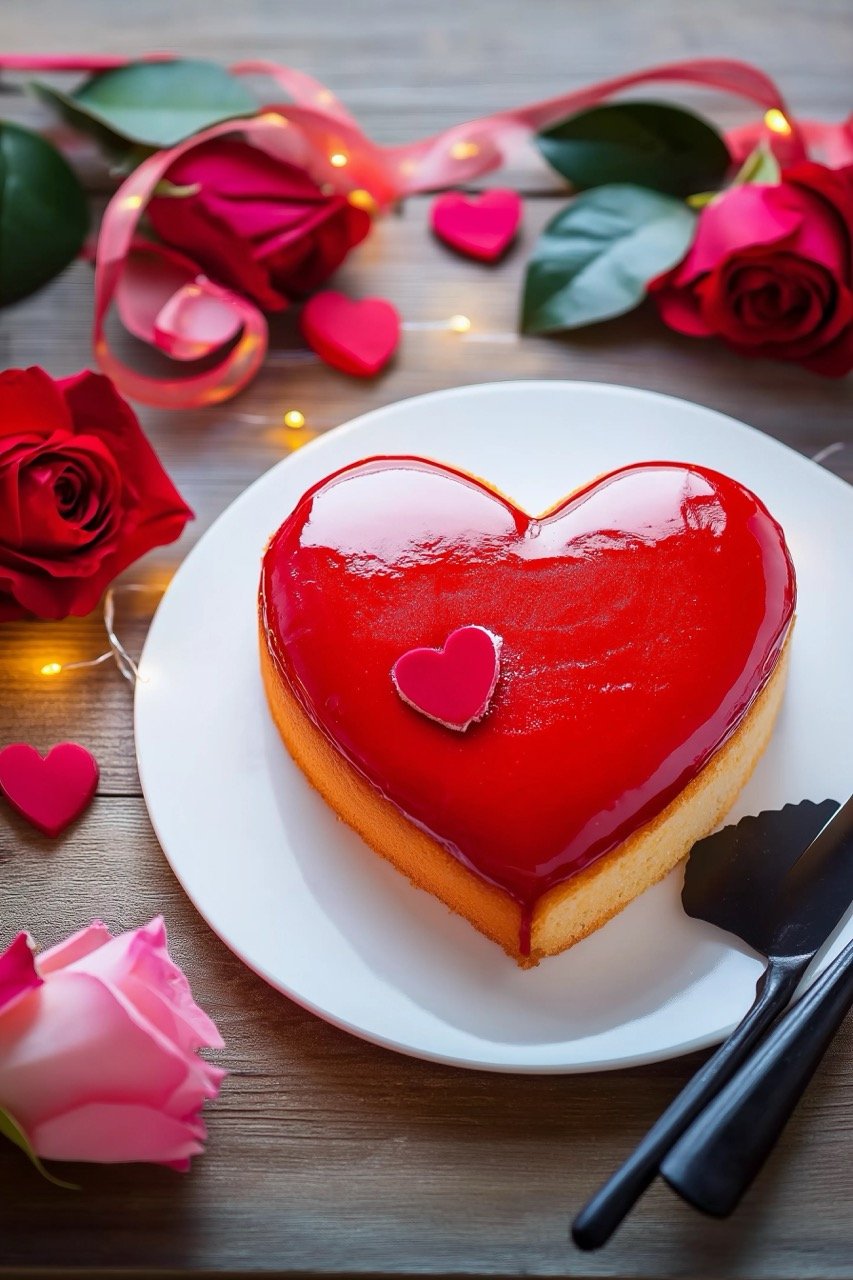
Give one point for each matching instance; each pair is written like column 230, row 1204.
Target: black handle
column 718, row 1157
column 600, row 1217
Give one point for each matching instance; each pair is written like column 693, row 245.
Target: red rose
column 771, row 271
column 82, row 493
column 257, row 224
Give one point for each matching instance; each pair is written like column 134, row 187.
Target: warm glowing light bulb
column 337, row 159
column 294, row 419
column 51, row 669
column 362, row 199
column 776, row 121
column 133, row 202
column 325, row 97
column 459, row 324
column 464, row 150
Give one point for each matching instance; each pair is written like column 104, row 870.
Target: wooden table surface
column 327, row 1155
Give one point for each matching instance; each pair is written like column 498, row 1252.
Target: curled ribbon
column 186, row 315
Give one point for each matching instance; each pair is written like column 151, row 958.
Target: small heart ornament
column 48, row 791
column 357, row 337
column 453, row 685
column 482, row 226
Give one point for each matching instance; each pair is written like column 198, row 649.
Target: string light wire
column 117, row 652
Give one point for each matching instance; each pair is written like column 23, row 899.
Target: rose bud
column 98, row 1049
column 256, row 223
column 771, row 271
column 82, row 493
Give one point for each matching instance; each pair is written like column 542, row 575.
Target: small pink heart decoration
column 481, row 226
column 453, row 685
column 356, row 337
column 49, row 791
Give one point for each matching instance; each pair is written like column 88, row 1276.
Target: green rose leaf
column 9, row 1128
column 701, row 199
column 760, row 167
column 594, row 259
column 43, row 212
column 153, row 104
column 647, row 144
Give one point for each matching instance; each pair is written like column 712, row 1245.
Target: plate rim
column 317, row 445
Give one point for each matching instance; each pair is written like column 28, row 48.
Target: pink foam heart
column 49, row 791
column 453, row 685
column 357, row 337
column 481, row 226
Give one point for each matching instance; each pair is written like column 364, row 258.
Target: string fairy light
column 362, row 199
column 464, row 150
column 777, row 121
column 56, row 668
column 452, row 324
column 841, row 453
column 116, row 653
column 338, row 160
column 463, row 327
column 827, row 452
column 294, row 419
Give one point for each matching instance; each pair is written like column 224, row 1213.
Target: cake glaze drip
column 639, row 619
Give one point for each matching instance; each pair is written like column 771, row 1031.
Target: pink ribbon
column 200, row 315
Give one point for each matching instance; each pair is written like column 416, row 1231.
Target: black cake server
column 781, row 882
column 715, row 1161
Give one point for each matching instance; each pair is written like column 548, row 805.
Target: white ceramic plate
column 295, row 893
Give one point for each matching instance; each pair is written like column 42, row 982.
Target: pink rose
column 255, row 223
column 98, row 1049
column 771, row 271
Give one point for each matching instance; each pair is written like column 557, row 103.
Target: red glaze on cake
column 639, row 619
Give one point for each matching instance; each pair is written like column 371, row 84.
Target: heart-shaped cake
column 602, row 679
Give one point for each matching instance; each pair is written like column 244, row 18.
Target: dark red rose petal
column 31, row 403
column 82, row 494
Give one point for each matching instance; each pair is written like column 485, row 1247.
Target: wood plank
column 426, row 68
column 413, row 70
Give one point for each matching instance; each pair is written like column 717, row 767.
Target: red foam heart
column 49, row 791
column 454, row 684
column 357, row 337
column 639, row 619
column 482, row 226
